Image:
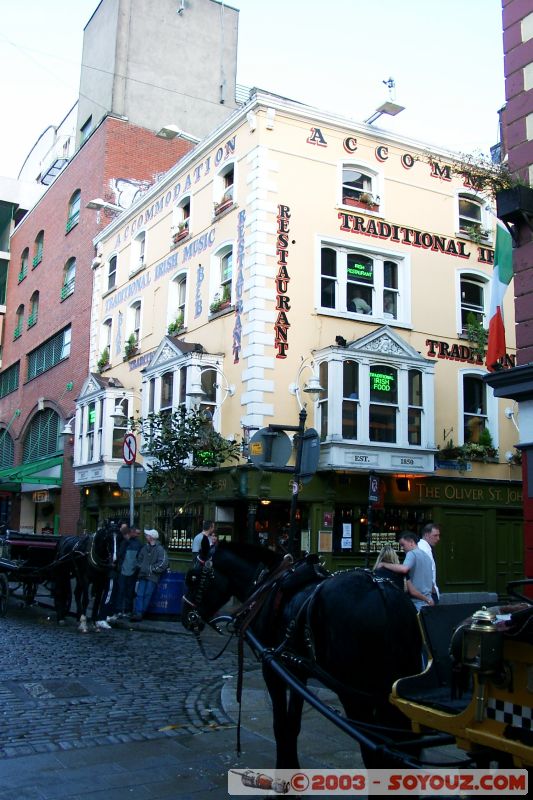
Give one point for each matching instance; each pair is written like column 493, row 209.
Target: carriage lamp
column 482, row 651
column 483, row 644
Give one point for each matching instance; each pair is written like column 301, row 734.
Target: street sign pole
column 132, row 493
column 296, row 485
column 373, row 497
column 129, row 452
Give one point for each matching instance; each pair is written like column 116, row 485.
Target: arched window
column 42, row 436
column 7, row 449
column 181, row 220
column 24, row 264
column 19, row 322
column 475, row 415
column 177, row 297
column 107, row 327
column 223, row 287
column 360, row 187
column 224, row 189
column 73, row 210
column 38, row 249
column 69, row 278
column 133, row 329
column 34, row 309
column 473, row 300
column 474, row 222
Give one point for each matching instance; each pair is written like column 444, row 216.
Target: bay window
column 376, row 391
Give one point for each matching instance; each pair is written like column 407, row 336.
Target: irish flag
column 501, row 278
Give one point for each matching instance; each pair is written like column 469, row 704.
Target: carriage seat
column 435, row 686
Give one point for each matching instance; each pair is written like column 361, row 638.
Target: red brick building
column 45, row 347
column 515, row 208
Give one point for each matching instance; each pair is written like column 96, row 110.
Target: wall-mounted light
column 197, row 393
column 312, row 387
column 98, row 205
column 510, row 413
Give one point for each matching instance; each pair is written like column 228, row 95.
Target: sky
column 445, row 57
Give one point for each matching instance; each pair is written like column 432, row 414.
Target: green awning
column 33, row 473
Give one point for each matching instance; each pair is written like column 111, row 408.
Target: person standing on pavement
column 152, row 561
column 207, row 529
column 416, row 568
column 127, row 576
column 430, row 537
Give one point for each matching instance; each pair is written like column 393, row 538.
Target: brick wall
column 518, row 49
column 116, row 149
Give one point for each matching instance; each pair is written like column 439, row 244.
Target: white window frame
column 179, row 217
column 176, row 303
column 486, row 219
column 476, row 276
column 376, row 186
column 491, row 401
column 106, row 335
column 216, row 282
column 134, row 316
column 220, row 187
column 110, row 273
column 138, row 253
column 403, row 318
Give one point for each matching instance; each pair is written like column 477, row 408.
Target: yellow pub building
column 295, row 259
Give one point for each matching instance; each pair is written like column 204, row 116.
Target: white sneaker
column 103, row 625
column 113, row 618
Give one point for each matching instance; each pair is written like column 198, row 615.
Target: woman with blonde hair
column 388, row 555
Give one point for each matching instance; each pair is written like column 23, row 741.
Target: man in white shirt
column 207, row 530
column 429, row 537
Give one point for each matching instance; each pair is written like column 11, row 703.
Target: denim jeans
column 145, row 590
column 125, row 593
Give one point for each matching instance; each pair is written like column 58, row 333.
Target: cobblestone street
column 62, row 690
column 134, row 712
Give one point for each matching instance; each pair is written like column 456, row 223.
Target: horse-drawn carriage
column 29, row 560
column 360, row 636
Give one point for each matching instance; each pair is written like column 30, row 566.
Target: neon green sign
column 381, row 382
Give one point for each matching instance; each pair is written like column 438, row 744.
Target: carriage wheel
column 4, row 594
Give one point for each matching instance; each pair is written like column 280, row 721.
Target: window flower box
column 176, row 326
column 103, row 361
column 365, row 201
column 131, row 347
column 181, row 232
column 222, row 206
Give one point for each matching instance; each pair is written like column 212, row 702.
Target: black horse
column 89, row 560
column 355, row 632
